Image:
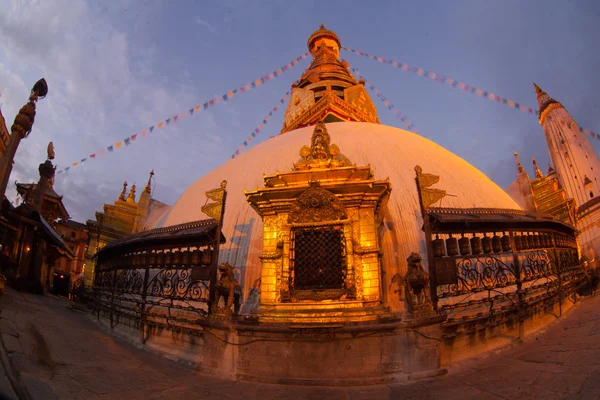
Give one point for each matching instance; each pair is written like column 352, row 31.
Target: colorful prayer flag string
column 260, row 126
column 130, row 139
column 462, row 86
column 407, row 124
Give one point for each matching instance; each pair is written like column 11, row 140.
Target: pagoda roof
column 69, row 223
column 50, row 192
column 491, row 219
column 50, row 196
column 196, row 233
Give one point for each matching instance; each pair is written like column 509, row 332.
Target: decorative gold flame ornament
column 215, row 210
column 428, row 196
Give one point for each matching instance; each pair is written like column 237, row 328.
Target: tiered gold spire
column 131, row 197
column 148, row 188
column 538, row 173
column 327, row 91
column 123, row 192
column 519, row 166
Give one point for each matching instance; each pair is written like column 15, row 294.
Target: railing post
column 558, row 273
column 143, row 305
column 112, row 299
column 519, row 284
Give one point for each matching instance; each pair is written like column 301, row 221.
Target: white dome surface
column 390, row 151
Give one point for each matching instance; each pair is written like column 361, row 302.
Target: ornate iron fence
column 485, row 274
column 154, row 292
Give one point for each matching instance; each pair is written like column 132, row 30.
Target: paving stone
column 591, row 387
column 564, row 384
column 584, row 357
column 310, row 393
column 410, row 392
column 12, row 344
column 546, row 356
column 37, row 388
column 8, row 315
column 8, row 327
column 6, row 388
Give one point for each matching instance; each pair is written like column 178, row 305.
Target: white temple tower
column 577, row 167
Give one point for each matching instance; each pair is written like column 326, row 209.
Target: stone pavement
column 55, row 351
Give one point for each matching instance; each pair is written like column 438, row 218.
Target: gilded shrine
column 320, row 243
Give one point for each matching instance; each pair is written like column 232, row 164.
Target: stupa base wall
column 350, row 355
column 464, row 341
column 335, row 355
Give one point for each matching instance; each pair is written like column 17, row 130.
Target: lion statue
column 229, row 289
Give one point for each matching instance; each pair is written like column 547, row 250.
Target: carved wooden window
column 317, row 258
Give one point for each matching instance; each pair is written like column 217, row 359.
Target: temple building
column 53, row 208
column 124, row 217
column 570, row 191
column 35, row 245
column 330, row 258
column 76, row 236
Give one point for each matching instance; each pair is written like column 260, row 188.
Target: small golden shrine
column 320, row 259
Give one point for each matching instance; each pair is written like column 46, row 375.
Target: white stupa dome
column 390, row 151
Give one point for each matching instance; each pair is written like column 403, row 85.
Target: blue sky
column 115, row 68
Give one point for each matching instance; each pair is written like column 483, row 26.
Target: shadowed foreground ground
column 84, row 361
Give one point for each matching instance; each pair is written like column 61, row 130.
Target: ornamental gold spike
column 215, row 210
column 428, row 195
column 122, row 196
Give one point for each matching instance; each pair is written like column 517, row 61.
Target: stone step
column 311, row 315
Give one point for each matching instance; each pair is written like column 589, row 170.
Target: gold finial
column 538, row 90
column 322, row 32
column 148, row 188
column 519, row 166
column 122, row 196
column 131, row 197
column 538, row 173
column 223, row 184
column 50, row 151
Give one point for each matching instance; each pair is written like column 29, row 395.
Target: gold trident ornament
column 215, row 210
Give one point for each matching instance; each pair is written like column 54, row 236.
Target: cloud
column 206, row 24
column 102, row 88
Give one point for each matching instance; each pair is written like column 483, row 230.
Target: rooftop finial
column 519, row 166
column 148, row 188
column 131, row 197
column 122, row 196
column 538, row 90
column 538, row 173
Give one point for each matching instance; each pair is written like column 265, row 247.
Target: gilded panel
column 300, row 101
column 359, row 98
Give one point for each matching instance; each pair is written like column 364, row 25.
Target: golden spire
column 519, row 166
column 538, row 173
column 122, row 196
column 327, row 90
column 131, row 197
column 148, row 188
